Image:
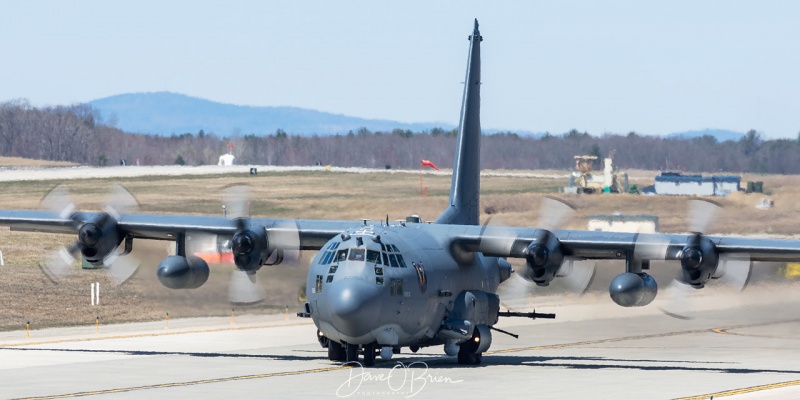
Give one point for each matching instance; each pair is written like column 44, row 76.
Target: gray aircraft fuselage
column 394, row 285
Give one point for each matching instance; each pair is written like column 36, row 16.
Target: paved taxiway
column 593, row 350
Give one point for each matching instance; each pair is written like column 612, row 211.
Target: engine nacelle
column 699, row 260
column 178, row 272
column 543, row 259
column 98, row 238
column 250, row 248
column 633, row 290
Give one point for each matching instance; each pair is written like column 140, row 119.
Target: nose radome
column 355, row 306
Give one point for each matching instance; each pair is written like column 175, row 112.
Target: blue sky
column 599, row 66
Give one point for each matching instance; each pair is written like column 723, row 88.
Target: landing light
column 477, row 339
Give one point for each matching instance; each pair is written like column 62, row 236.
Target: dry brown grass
column 29, row 162
column 27, row 295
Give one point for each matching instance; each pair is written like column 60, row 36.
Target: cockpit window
column 326, row 258
column 385, row 259
column 356, row 255
column 400, row 261
column 341, row 255
column 373, row 256
column 393, row 261
column 378, row 271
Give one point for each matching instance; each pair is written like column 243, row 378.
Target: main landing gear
column 346, row 352
column 468, row 354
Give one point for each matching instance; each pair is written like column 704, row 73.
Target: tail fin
column 466, row 186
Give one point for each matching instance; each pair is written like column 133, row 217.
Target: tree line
column 78, row 134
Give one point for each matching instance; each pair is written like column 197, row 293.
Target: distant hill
column 721, row 135
column 165, row 113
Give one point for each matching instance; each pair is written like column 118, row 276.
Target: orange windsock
column 427, row 163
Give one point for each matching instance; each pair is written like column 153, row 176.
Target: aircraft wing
column 513, row 242
column 313, row 234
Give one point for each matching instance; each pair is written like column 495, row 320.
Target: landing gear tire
column 335, row 351
column 369, row 355
column 352, row 352
column 470, row 358
column 468, row 355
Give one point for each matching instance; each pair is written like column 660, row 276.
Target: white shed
column 226, row 159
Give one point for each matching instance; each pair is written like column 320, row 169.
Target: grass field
column 28, row 162
column 27, row 295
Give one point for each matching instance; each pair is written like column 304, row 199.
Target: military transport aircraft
column 377, row 287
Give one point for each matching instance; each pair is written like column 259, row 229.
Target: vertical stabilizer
column 465, row 188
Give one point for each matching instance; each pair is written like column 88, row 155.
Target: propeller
column 243, row 288
column 553, row 212
column 253, row 246
column 732, row 270
column 98, row 238
column 574, row 275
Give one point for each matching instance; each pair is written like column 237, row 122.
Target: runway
column 745, row 347
column 14, row 174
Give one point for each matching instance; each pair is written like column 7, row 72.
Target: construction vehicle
column 583, row 181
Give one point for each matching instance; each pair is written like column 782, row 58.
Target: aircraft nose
column 355, row 306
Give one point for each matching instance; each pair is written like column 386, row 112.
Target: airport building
column 623, row 223
column 675, row 183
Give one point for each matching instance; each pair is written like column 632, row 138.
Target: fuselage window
column 333, row 269
column 373, row 256
column 330, row 279
column 379, row 280
column 356, row 255
column 378, row 271
column 341, row 255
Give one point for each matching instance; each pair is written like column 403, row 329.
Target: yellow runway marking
column 190, row 383
column 327, row 369
column 743, row 390
column 154, row 334
column 627, row 338
column 589, row 342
